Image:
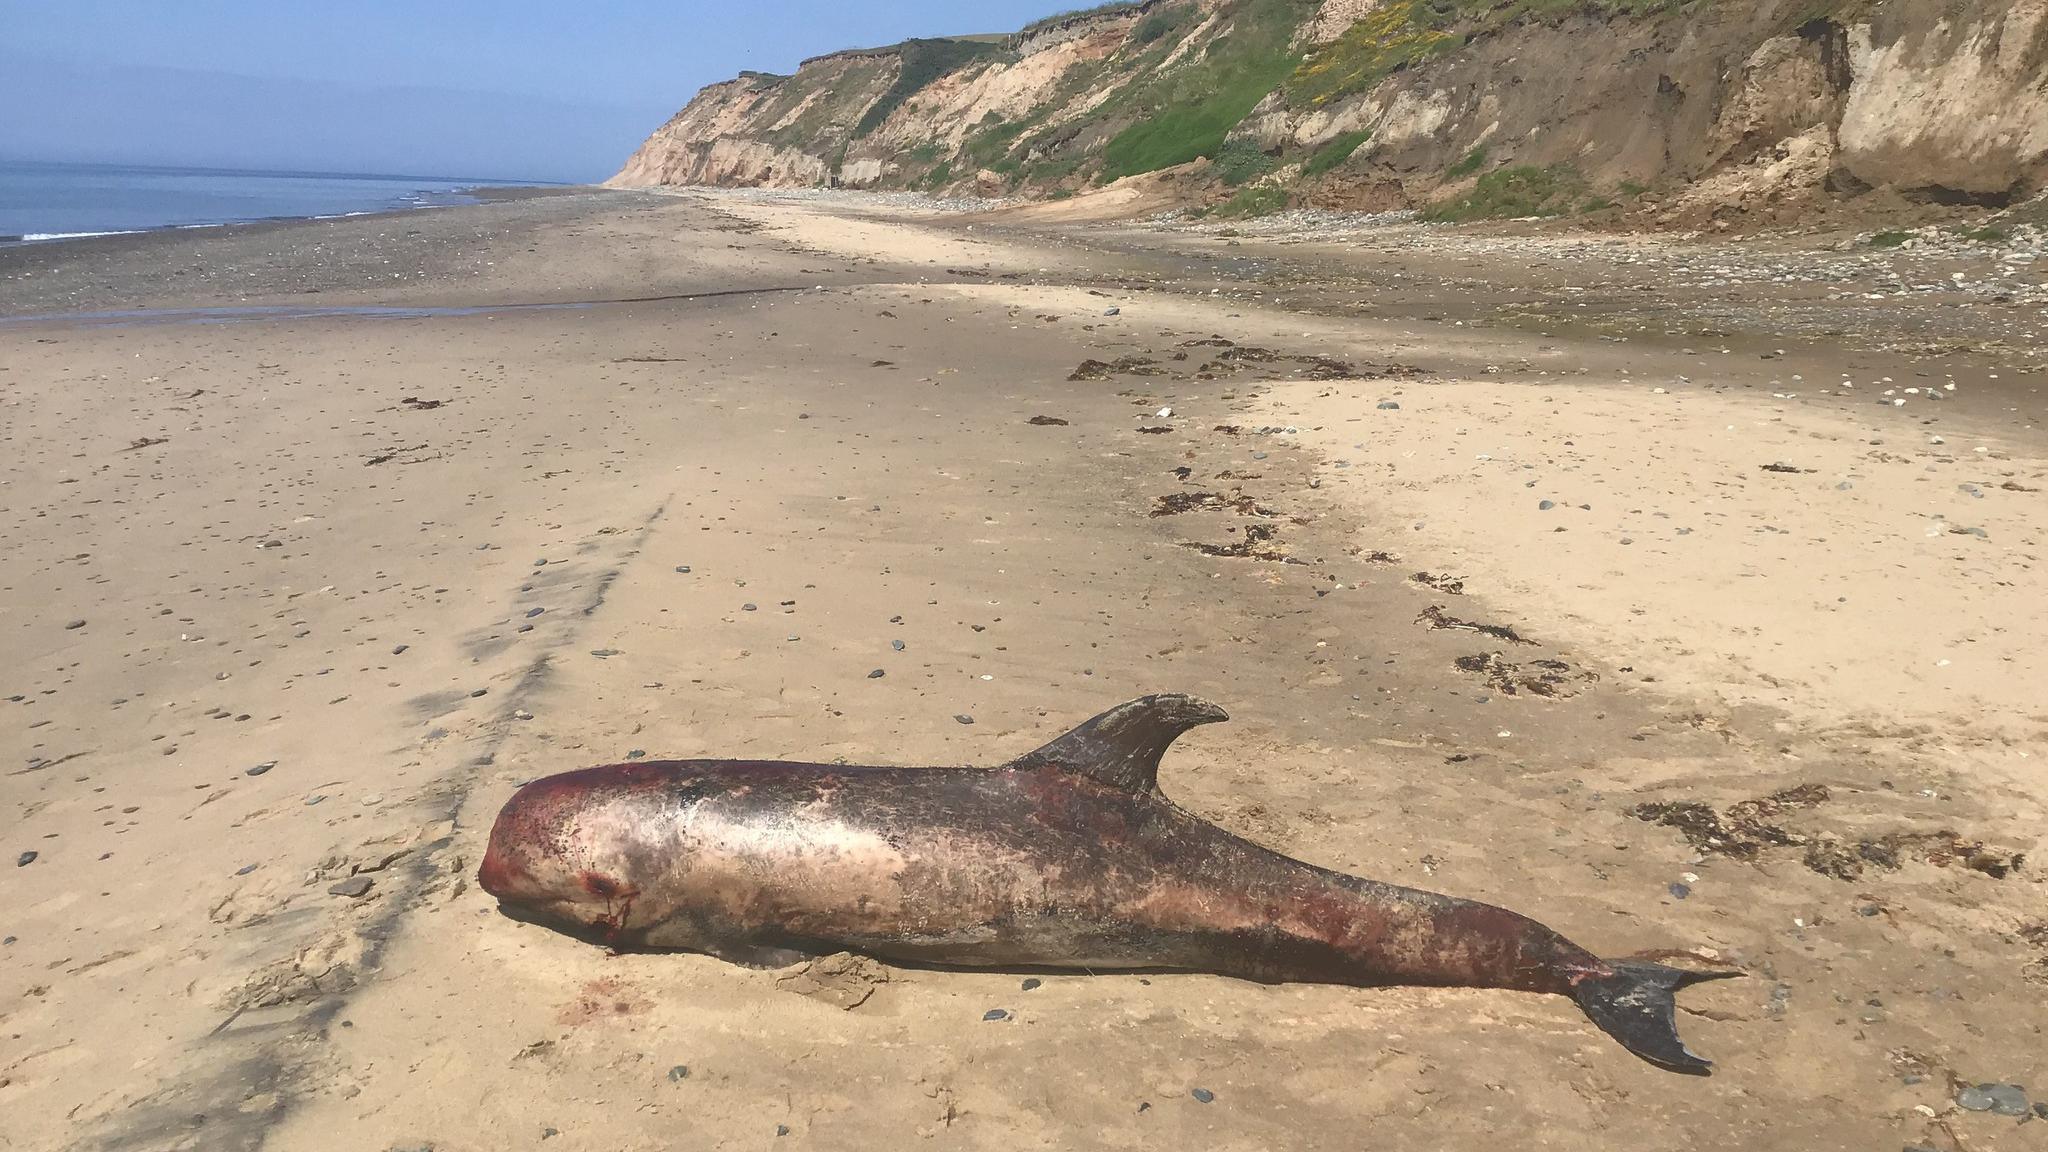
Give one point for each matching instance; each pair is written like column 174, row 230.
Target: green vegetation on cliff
column 923, row 62
column 1507, row 193
column 1334, row 153
column 1186, row 112
column 1405, row 33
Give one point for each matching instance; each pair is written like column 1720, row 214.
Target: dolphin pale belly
column 1069, row 857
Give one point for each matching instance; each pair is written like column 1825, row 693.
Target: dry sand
column 347, row 580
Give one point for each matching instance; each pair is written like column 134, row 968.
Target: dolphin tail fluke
column 1636, row 1007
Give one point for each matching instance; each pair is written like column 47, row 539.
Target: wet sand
column 296, row 601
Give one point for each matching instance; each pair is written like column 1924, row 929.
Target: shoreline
column 297, row 603
column 478, row 194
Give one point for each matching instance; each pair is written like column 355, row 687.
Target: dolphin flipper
column 1636, row 1007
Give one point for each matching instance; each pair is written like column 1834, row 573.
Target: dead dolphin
column 1068, row 857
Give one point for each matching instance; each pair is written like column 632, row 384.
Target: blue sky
column 509, row 88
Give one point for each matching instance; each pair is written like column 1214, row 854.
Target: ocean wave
column 31, row 237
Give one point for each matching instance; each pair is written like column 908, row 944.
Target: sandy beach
column 1602, row 579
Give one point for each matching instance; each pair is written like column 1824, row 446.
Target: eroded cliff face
column 1465, row 108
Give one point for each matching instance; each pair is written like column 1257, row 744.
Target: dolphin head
column 560, row 854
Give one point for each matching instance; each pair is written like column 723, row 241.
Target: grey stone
column 355, row 887
column 2002, row 1099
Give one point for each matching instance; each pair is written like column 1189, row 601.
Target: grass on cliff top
column 1186, row 113
column 1509, row 193
column 1059, row 18
column 923, row 62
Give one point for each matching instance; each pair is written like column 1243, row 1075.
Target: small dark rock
column 1389, row 406
column 683, row 568
column 74, row 625
column 896, row 644
column 260, row 769
column 1046, row 421
column 479, row 692
column 400, row 649
column 995, row 1014
column 355, row 887
column 540, row 563
column 877, row 674
column 750, row 607
column 1681, row 891
column 636, row 754
column 532, row 612
column 1113, row 312
column 25, row 859
column 1545, row 505
column 963, row 718
column 245, row 869
column 2002, row 1099
column 782, row 1129
column 1203, row 1095
column 1032, row 982
column 679, row 1073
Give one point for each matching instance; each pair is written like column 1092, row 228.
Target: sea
column 51, row 201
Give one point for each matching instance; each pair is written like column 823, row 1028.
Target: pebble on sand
column 2003, row 1099
column 74, row 625
column 995, row 1014
column 260, row 769
column 877, row 674
column 25, row 859
column 1203, row 1095
column 355, row 887
column 963, row 718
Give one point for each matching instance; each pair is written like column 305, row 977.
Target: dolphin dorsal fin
column 1122, row 746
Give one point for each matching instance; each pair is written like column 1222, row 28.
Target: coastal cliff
column 1669, row 110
